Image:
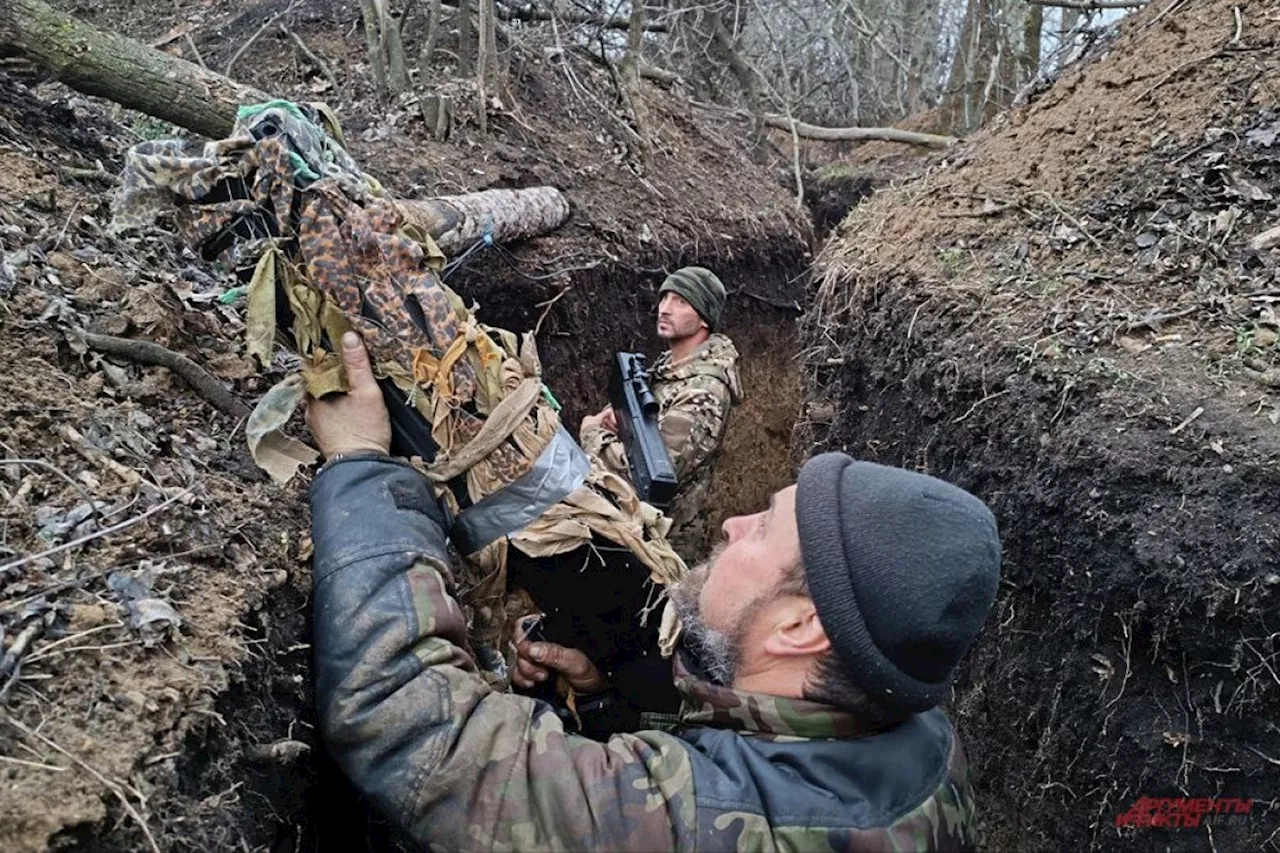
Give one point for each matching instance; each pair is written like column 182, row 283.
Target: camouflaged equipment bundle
column 694, row 397
column 327, row 248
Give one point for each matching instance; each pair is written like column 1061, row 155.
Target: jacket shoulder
column 906, row 788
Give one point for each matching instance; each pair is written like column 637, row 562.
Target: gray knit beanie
column 902, row 568
column 703, row 290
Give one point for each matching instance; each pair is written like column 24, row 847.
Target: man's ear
column 797, row 631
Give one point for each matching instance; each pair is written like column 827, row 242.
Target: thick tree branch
column 843, row 134
column 103, row 63
column 146, row 352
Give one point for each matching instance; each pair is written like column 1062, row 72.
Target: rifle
column 637, row 411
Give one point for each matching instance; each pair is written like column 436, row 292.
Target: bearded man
column 818, row 643
column 696, row 383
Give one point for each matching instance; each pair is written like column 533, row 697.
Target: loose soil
column 1065, row 315
column 167, row 730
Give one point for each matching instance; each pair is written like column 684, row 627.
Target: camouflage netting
column 320, row 243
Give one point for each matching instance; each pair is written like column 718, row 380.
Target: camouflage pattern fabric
column 281, row 198
column 695, row 395
column 460, row 767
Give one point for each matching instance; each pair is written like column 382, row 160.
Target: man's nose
column 733, row 527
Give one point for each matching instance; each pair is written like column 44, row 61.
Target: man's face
column 677, row 319
column 724, row 603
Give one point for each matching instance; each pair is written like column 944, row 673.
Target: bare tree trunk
column 373, row 46
column 105, row 64
column 429, row 40
column 482, row 64
column 742, row 72
column 1066, row 33
column 921, row 21
column 984, row 75
column 466, row 40
column 631, row 62
column 1032, row 30
column 457, row 222
column 393, row 48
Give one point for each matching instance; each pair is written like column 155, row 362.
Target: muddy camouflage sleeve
column 403, row 711
column 691, row 424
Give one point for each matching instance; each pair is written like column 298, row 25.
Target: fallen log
column 457, row 222
column 856, row 134
column 106, row 64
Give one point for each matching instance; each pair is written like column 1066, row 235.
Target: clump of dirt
column 1065, row 314
column 187, row 719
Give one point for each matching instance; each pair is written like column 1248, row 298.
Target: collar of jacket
column 708, row 704
column 716, row 357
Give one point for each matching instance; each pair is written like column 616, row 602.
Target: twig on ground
column 117, row 788
column 1190, row 419
column 36, row 764
column 14, row 605
column 97, row 534
column 65, row 226
column 1076, row 222
column 1190, row 63
column 1173, row 4
column 11, row 663
column 195, row 51
column 85, row 496
column 72, row 436
column 50, row 648
column 1264, row 756
column 546, row 307
column 975, row 406
column 1154, row 320
column 146, row 352
column 978, row 214
column 81, row 174
column 315, row 58
column 249, row 43
column 1235, row 39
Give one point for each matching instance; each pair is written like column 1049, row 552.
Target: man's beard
column 711, row 654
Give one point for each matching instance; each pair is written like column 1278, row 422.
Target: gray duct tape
column 558, row 470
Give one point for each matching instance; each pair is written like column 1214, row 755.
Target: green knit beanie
column 701, row 288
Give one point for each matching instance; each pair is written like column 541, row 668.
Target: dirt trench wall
column 1128, row 653
column 1071, row 315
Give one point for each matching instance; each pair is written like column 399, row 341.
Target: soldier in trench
column 696, row 383
column 818, row 641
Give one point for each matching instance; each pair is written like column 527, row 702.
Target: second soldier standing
column 695, row 383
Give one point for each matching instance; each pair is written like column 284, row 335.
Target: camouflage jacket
column 457, row 766
column 694, row 397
